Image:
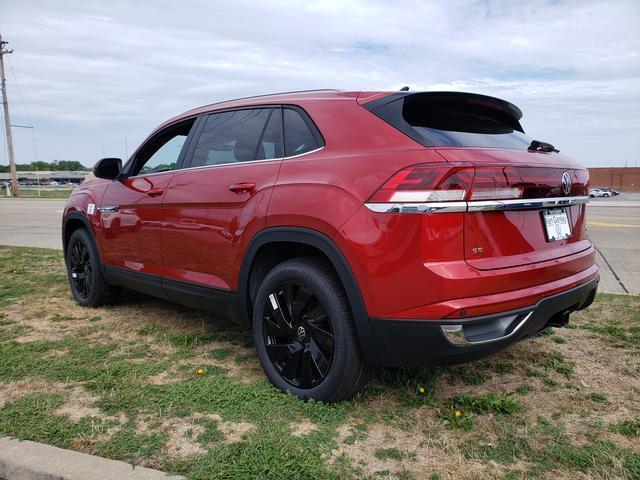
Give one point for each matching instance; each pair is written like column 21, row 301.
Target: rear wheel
column 304, row 333
column 85, row 272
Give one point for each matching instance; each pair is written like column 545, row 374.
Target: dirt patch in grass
column 190, row 436
column 233, row 431
column 77, row 402
column 302, row 428
column 384, row 450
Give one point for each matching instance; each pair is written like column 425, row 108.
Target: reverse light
column 428, row 196
column 496, row 193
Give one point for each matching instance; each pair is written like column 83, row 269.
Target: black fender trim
column 74, row 216
column 323, row 243
column 87, row 224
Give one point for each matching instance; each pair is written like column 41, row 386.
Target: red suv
column 347, row 229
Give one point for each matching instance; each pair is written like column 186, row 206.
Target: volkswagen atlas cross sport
column 346, row 229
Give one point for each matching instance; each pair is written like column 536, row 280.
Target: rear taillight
column 460, row 182
column 426, row 183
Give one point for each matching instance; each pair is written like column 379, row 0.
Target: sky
column 90, row 74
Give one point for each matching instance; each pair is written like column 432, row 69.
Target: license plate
column 556, row 223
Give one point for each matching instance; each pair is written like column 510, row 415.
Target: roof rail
column 265, row 95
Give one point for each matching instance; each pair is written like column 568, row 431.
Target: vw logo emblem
column 301, row 333
column 566, row 183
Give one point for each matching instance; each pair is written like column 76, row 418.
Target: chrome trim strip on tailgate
column 433, row 207
column 477, row 206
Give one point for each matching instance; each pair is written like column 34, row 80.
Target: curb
column 25, row 460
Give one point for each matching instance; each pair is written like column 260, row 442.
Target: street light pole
column 7, row 119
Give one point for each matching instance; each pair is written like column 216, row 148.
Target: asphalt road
column 612, row 223
column 31, row 222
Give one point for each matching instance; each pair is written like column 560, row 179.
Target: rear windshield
column 455, row 120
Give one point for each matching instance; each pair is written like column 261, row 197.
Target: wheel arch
column 72, row 222
column 295, row 242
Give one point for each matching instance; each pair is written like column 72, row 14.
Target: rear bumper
column 409, row 343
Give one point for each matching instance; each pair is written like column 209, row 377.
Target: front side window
column 299, row 135
column 239, row 136
column 161, row 153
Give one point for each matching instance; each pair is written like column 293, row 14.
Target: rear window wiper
column 537, row 146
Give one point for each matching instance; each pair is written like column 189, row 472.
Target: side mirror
column 109, row 168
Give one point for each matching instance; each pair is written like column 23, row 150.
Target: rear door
column 213, row 207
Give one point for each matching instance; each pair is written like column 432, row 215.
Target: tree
column 56, row 165
column 68, row 165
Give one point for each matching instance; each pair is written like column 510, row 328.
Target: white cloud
column 94, row 73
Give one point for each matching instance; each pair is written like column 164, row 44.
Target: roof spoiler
column 450, row 97
column 474, row 99
column 391, row 107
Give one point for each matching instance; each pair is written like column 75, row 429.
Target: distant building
column 46, row 178
column 623, row 179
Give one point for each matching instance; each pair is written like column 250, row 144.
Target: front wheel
column 304, row 333
column 85, row 272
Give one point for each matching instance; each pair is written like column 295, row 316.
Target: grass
column 163, row 386
column 41, row 193
column 629, row 428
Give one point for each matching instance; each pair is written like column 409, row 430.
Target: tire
column 84, row 271
column 605, row 195
column 304, row 332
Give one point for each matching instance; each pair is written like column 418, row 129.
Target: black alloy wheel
column 84, row 271
column 304, row 332
column 81, row 268
column 298, row 335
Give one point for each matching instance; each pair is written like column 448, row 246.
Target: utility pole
column 7, row 119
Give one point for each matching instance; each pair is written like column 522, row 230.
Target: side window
column 161, row 153
column 299, row 135
column 239, row 136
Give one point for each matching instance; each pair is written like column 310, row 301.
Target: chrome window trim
column 477, row 206
column 232, row 163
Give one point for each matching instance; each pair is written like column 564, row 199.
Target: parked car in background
column 345, row 229
column 598, row 192
column 610, row 191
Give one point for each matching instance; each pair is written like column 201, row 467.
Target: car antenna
column 404, row 89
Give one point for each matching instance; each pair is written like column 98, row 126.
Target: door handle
column 108, row 208
column 155, row 192
column 245, row 187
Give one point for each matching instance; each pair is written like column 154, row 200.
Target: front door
column 216, row 204
column 131, row 208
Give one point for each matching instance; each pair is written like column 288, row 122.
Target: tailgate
column 508, row 233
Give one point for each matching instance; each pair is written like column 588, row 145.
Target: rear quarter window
column 300, row 134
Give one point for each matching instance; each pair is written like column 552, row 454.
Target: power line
column 26, row 109
column 24, row 104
